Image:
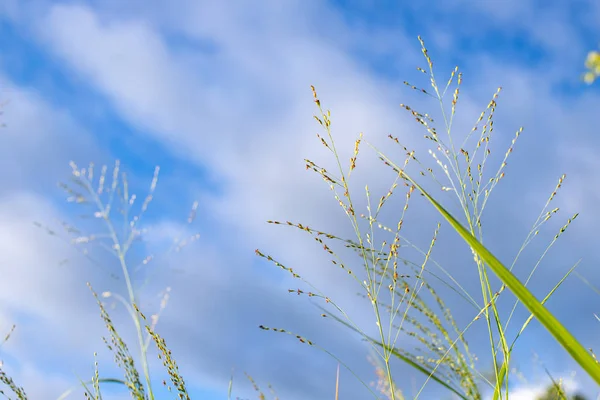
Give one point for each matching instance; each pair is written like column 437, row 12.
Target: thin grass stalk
column 104, row 212
column 349, row 210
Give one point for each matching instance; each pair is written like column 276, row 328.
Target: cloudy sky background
column 218, row 94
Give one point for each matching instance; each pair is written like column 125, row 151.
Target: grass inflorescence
column 397, row 302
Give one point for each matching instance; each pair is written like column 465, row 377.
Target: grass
column 403, row 291
column 84, row 189
column 463, row 171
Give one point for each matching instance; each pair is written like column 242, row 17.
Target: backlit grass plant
column 395, row 286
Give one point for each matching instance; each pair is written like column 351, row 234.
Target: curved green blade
column 546, row 318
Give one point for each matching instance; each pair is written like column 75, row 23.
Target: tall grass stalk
column 388, row 276
column 118, row 243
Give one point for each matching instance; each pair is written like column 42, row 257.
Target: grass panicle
column 394, row 284
column 88, row 190
column 123, row 357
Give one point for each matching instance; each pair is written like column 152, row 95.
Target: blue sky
column 218, row 94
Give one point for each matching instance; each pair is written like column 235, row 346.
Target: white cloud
column 38, row 293
column 263, row 74
column 38, row 141
column 261, row 84
column 43, row 298
column 534, row 390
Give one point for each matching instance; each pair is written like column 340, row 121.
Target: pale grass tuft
column 83, row 190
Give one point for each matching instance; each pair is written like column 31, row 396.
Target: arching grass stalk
column 401, row 294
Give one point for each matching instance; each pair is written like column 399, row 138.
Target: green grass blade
column 502, row 374
column 546, row 318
